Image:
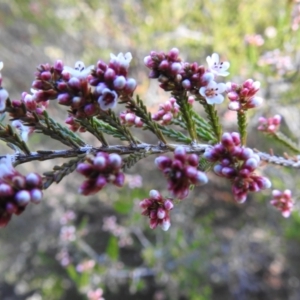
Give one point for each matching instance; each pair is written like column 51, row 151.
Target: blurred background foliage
column 70, row 246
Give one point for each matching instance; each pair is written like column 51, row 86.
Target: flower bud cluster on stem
column 283, row 202
column 157, row 209
column 92, row 93
column 129, row 119
column 243, row 97
column 101, row 169
column 181, row 172
column 167, row 112
column 238, row 164
column 269, row 125
column 17, row 190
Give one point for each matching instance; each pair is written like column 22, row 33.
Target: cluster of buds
column 168, row 68
column 181, row 172
column 243, row 97
column 99, row 170
column 167, row 112
column 175, row 75
column 24, row 109
column 269, row 125
column 111, row 80
column 16, row 190
column 157, row 209
column 87, row 91
column 31, row 103
column 238, row 164
column 69, row 86
column 73, row 125
column 129, row 118
column 283, row 202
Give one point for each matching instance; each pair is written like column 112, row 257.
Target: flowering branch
column 198, row 143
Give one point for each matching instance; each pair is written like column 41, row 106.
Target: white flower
column 24, row 130
column 212, row 92
column 123, row 59
column 217, row 67
column 108, row 99
column 6, row 167
column 79, row 71
column 1, row 65
column 3, row 96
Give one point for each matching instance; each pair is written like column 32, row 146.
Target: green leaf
column 112, row 249
column 123, row 206
column 72, row 273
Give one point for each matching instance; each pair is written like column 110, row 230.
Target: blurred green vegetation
column 214, row 248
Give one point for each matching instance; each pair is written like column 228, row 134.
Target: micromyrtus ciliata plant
column 91, row 95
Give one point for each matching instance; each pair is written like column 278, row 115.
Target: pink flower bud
column 33, row 179
column 173, row 53
column 100, row 182
column 109, row 74
column 161, row 213
column 74, row 83
column 168, row 204
column 100, row 162
column 193, row 160
column 120, row 179
column 6, row 190
column 154, row 194
column 233, row 96
column 23, row 197
column 59, row 65
column 130, row 86
column 115, row 160
column 46, row 75
column 36, row 196
column 153, row 223
column 119, row 83
column 162, row 162
column 11, row 208
column 64, row 99
column 165, row 225
column 234, row 105
column 186, row 84
column 227, row 140
column 201, row 178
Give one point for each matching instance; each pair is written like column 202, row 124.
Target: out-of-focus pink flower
column 122, row 233
column 269, row 125
column 67, row 217
column 95, row 295
column 63, row 257
column 283, row 202
column 68, row 233
column 254, row 40
column 85, row 266
column 134, row 181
